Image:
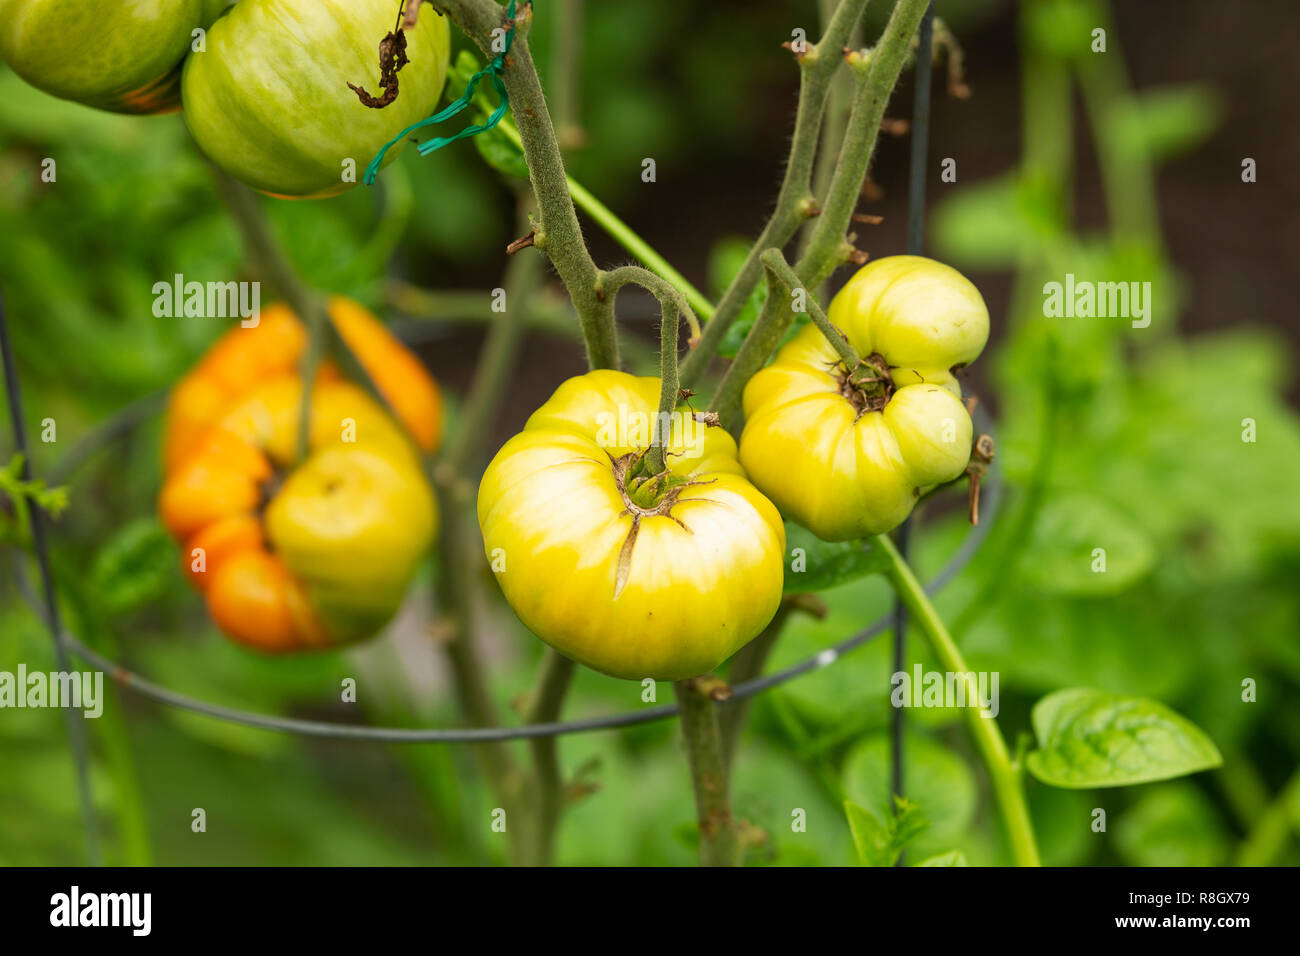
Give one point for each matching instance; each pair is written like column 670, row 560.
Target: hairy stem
column 763, row 338
column 719, row 841
column 547, row 700
column 827, row 247
column 826, row 244
column 774, row 262
column 1003, row 772
column 672, row 304
column 625, row 235
column 558, row 234
column 795, row 201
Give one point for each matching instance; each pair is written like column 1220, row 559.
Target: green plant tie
column 493, row 69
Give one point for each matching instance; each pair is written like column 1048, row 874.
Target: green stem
column 774, row 262
column 671, row 303
column 827, row 247
column 497, row 361
column 558, row 233
column 1003, row 772
column 762, row 340
column 747, row 664
column 265, row 250
column 625, row 236
column 547, row 700
column 795, row 202
column 566, row 57
column 838, row 102
column 719, row 841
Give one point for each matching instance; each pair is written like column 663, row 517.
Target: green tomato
column 124, row 57
column 635, row 576
column 844, row 455
column 269, row 100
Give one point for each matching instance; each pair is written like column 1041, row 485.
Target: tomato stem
column 719, row 840
column 672, row 305
column 1003, row 772
column 817, row 73
column 558, row 218
column 263, row 248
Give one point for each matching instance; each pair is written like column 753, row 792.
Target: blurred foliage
column 1108, row 437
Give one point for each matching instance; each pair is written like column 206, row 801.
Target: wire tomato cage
column 127, row 419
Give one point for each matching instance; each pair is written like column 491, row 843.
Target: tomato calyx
column 644, row 496
column 869, row 386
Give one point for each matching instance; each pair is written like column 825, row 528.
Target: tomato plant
column 744, row 514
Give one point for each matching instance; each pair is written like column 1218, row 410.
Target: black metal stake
column 76, row 729
column 915, row 240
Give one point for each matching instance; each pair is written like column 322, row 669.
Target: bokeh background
column 1117, row 166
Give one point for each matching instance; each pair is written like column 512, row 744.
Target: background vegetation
column 1117, row 166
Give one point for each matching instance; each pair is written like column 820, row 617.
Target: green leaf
column 22, row 495
column 136, row 566
column 1165, row 122
column 493, row 145
column 1089, row 738
column 881, row 844
column 938, row 781
column 815, row 565
column 951, row 858
column 1082, row 546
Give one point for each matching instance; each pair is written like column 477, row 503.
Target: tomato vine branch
column 795, row 201
column 625, row 235
column 1003, row 772
column 827, row 247
column 559, row 234
column 719, row 841
column 673, row 306
column 264, row 249
column 774, row 262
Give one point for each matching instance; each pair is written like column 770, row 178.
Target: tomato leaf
column 493, row 145
column 815, row 565
column 136, row 566
column 939, row 782
column 1082, row 546
column 881, row 844
column 1089, row 738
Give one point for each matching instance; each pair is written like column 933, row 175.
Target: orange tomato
column 288, row 554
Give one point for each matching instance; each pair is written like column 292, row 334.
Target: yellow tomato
column 847, row 456
column 634, row 575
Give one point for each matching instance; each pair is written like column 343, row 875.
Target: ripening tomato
column 317, row 553
column 635, row 575
column 124, row 57
column 341, row 533
column 269, row 100
column 846, row 453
